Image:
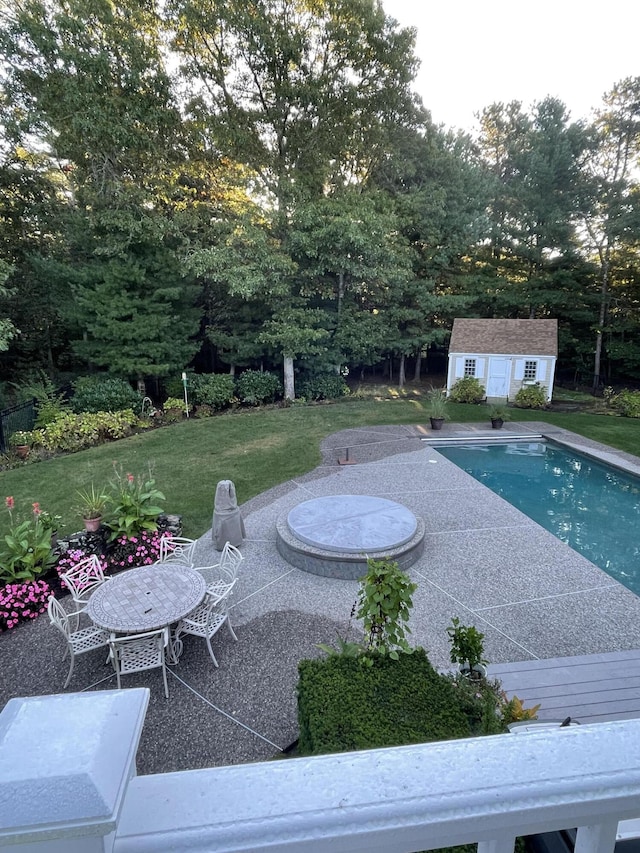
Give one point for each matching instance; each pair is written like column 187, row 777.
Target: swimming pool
column 591, row 506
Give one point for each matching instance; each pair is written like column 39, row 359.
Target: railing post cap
column 66, row 762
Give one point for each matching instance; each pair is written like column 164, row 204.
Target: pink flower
column 130, row 478
column 36, row 508
column 10, row 503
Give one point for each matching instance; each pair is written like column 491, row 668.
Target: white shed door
column 498, row 377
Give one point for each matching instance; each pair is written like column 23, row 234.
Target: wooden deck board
column 589, row 688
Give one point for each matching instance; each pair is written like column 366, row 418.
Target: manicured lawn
column 256, row 449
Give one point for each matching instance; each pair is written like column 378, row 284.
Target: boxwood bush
column 467, row 390
column 531, row 397
column 326, row 386
column 213, row 389
column 343, row 705
column 627, row 403
column 101, row 394
column 255, row 387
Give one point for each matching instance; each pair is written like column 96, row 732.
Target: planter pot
column 496, row 423
column 91, row 525
column 436, row 423
column 476, row 672
column 22, row 451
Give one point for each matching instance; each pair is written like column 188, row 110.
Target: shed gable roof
column 508, row 337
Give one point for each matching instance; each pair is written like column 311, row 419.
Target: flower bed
column 22, row 601
column 31, row 566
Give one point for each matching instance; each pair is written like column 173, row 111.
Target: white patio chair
column 230, row 559
column 84, row 578
column 206, row 620
column 137, row 652
column 177, row 549
column 220, row 576
column 78, row 642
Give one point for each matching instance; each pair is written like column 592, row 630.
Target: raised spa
column 333, row 536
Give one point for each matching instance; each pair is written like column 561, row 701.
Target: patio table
column 146, row 599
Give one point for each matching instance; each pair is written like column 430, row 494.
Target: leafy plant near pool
column 384, row 604
column 467, row 645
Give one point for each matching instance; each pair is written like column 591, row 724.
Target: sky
column 475, row 52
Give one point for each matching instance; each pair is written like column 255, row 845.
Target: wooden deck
column 588, row 688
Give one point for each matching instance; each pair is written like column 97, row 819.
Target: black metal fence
column 22, row 416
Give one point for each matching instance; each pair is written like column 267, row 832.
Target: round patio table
column 146, row 598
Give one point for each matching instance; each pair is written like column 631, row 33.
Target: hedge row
column 343, row 705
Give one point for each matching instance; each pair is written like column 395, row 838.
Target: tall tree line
column 255, row 183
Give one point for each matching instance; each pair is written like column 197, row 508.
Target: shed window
column 530, row 370
column 469, row 367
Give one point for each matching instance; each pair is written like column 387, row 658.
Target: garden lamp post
column 184, row 383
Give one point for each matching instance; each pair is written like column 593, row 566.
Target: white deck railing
column 404, row 799
column 409, row 798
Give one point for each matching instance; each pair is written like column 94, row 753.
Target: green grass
column 256, row 449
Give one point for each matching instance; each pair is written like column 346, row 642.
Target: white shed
column 504, row 355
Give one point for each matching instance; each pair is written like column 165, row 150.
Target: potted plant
column 437, row 407
column 92, row 506
column 467, row 649
column 498, row 415
column 21, row 441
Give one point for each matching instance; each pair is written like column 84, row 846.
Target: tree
column 439, row 194
column 7, row 329
column 134, row 300
column 613, row 204
column 32, row 221
column 535, row 163
column 304, row 94
column 87, row 76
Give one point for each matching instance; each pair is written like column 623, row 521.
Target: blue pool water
column 589, row 505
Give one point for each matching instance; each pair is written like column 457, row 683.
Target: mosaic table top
column 146, row 598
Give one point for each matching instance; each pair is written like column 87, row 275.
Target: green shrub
column 255, row 387
column 531, row 397
column 203, row 411
column 175, row 404
column 173, row 410
column 343, row 705
column 174, row 387
column 213, row 389
column 48, row 402
column 70, row 432
column 467, row 390
column 323, row 387
column 99, row 394
column 627, row 403
column 25, row 548
column 467, row 644
column 137, row 503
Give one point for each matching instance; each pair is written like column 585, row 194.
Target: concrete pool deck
column 483, row 561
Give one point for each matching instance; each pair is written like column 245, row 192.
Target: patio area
column 532, row 597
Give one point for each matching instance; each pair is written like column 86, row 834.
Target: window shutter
column 541, row 372
column 459, row 367
column 480, row 368
column 519, row 369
